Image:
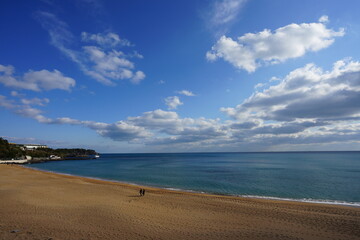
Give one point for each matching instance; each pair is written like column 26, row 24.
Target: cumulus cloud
column 35, row 80
column 252, row 50
column 119, row 131
column 109, row 65
column 102, row 61
column 47, row 80
column 138, row 76
column 173, row 102
column 163, row 128
column 186, row 93
column 106, row 61
column 163, row 121
column 178, row 130
column 307, row 93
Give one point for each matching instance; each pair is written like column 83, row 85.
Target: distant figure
column 143, row 192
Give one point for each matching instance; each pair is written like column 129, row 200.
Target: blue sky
column 178, row 76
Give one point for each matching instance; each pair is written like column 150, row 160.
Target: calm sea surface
column 322, row 176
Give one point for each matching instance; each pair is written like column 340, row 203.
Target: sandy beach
column 42, row 205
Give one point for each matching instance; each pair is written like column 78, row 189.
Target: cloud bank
column 307, row 93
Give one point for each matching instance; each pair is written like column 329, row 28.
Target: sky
column 136, row 76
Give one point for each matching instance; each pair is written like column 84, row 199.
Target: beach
column 44, row 205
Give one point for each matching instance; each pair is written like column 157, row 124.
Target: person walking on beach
column 141, row 192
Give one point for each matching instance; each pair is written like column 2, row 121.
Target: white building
column 31, row 146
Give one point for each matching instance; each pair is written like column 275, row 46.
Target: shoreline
column 41, row 160
column 46, row 205
column 183, row 191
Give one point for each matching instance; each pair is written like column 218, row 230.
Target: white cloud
column 58, row 31
column 251, row 50
column 225, row 11
column 7, row 70
column 307, row 93
column 35, row 101
column 110, row 65
column 177, row 130
column 139, row 75
column 308, row 109
column 35, row 80
column 135, row 54
column 259, row 85
column 324, row 19
column 107, row 61
column 161, row 128
column 23, row 110
column 47, row 80
column 274, row 79
column 29, row 112
column 104, row 62
column 173, row 102
column 221, row 14
column 105, row 40
column 163, row 121
column 119, row 131
column 16, row 94
column 6, row 103
column 186, row 93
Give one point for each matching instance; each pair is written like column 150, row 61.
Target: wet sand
column 41, row 205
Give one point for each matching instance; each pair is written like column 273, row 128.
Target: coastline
column 43, row 204
column 41, row 160
column 185, row 191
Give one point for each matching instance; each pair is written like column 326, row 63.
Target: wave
column 307, row 200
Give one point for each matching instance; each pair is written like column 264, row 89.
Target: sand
column 41, row 205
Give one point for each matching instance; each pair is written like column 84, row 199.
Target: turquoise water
column 321, row 176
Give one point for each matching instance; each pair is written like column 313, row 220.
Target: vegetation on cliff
column 10, row 151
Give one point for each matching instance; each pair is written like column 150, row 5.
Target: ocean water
column 329, row 177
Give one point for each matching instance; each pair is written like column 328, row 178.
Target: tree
column 9, row 151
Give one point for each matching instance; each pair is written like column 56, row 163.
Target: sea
column 322, row 177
